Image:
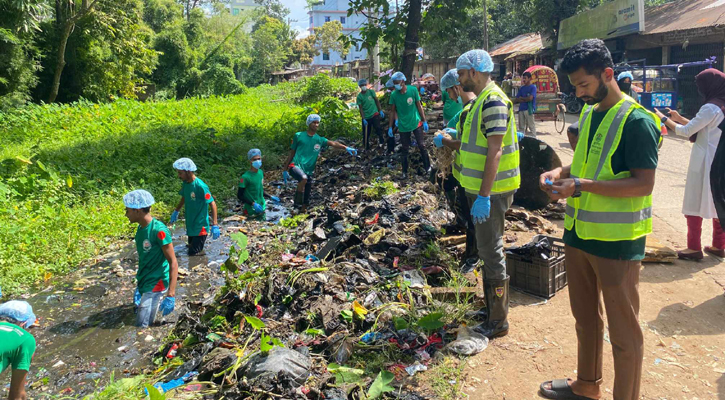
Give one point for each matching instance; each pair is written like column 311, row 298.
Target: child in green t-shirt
column 251, row 187
column 17, row 346
column 157, row 266
column 196, row 200
column 306, row 147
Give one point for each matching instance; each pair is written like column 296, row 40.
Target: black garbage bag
column 538, row 248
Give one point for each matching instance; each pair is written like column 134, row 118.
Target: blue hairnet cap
column 185, row 164
column 478, row 60
column 450, row 79
column 389, row 84
column 398, row 76
column 362, row 82
column 253, row 153
column 625, row 74
column 313, row 118
column 138, row 199
column 19, row 311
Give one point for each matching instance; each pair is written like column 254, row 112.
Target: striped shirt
column 495, row 116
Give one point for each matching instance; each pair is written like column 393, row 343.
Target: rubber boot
column 469, row 258
column 299, row 199
column 497, row 300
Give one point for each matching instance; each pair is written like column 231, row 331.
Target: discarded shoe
column 696, row 256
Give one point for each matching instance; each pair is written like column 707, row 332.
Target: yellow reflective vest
column 457, row 153
column 474, row 148
column 601, row 217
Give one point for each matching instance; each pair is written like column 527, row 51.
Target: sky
column 298, row 12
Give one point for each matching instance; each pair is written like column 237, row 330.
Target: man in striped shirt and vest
column 608, row 190
column 489, row 157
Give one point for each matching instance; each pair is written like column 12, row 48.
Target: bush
column 321, row 85
column 65, row 168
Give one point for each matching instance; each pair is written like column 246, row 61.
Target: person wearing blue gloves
column 157, row 266
column 371, row 113
column 196, row 200
column 304, row 151
column 490, row 175
column 408, row 110
column 251, row 187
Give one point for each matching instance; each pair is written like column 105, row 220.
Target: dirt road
column 681, row 314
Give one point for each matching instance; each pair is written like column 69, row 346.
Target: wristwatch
column 577, row 188
column 664, row 119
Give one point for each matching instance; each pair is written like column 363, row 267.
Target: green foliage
column 255, row 322
column 431, row 322
column 380, row 189
column 345, row 374
column 272, row 41
column 124, row 389
column 321, row 85
column 328, row 38
column 154, row 393
column 294, row 221
column 50, row 226
column 160, row 14
column 381, row 385
column 175, row 56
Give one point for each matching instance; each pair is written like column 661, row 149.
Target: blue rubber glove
column 365, row 122
column 520, row 135
column 549, row 182
column 390, row 132
column 137, row 298
column 396, row 123
column 174, row 217
column 438, row 140
column 257, row 208
column 167, row 306
column 452, row 132
column 481, row 209
column 275, row 199
column 351, row 151
column 382, row 114
column 425, row 126
column 285, row 176
column 215, row 232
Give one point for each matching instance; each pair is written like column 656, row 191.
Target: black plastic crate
column 538, row 276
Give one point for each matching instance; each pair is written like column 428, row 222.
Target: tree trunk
column 60, row 60
column 411, row 39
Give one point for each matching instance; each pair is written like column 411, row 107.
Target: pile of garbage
column 350, row 300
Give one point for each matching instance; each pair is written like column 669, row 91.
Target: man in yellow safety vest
column 489, row 162
column 608, row 189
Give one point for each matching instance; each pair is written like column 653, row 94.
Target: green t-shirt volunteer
column 153, row 267
column 253, row 185
column 197, row 198
column 408, row 117
column 366, row 100
column 451, row 107
column 17, row 347
column 307, row 148
column 637, row 150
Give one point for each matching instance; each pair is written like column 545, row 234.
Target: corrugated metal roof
column 684, row 14
column 528, row 43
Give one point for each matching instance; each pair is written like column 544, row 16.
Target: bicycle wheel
column 559, row 122
column 573, row 105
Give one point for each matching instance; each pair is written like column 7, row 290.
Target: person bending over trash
column 17, row 346
column 251, row 187
column 305, row 149
column 408, row 110
column 157, row 266
column 196, row 198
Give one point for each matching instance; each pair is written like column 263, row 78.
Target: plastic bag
column 280, row 361
column 468, row 342
column 19, row 311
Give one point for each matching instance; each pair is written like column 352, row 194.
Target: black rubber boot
column 469, row 258
column 299, row 199
column 497, row 301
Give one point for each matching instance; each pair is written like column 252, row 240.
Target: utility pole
column 485, row 26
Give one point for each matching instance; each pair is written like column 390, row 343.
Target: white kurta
column 698, row 197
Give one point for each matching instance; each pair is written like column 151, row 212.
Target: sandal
column 695, row 256
column 560, row 390
column 715, row 251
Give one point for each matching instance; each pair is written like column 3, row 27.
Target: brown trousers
column 617, row 281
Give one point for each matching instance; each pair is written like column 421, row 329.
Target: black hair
column 526, row 75
column 590, row 54
column 145, row 209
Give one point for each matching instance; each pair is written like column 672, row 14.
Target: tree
column 19, row 24
column 159, row 14
column 274, row 9
column 303, row 51
column 545, row 15
column 328, row 38
column 271, row 47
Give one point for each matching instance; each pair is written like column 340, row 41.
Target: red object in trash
column 374, row 220
column 259, row 311
column 172, row 351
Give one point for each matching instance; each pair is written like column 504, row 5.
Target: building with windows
column 237, row 7
column 336, row 10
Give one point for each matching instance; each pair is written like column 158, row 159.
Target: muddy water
column 87, row 330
